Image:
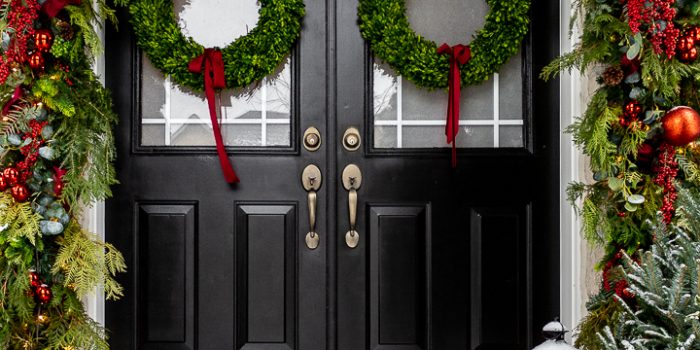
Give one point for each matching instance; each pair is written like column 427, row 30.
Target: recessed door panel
column 266, row 271
column 167, row 240
column 399, row 287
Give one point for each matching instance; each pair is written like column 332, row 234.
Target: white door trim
column 570, row 97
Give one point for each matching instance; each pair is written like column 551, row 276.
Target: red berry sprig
column 20, row 18
column 651, row 14
column 666, row 172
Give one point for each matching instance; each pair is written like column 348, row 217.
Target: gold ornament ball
column 681, row 126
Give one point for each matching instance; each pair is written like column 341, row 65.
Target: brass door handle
column 352, row 180
column 311, row 180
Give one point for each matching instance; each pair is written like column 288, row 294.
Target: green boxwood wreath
column 246, row 60
column 383, row 23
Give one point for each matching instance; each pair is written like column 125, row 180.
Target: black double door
column 447, row 259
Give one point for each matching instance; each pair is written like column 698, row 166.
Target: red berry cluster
column 620, row 287
column 666, row 172
column 20, row 18
column 651, row 14
column 41, row 291
column 31, row 151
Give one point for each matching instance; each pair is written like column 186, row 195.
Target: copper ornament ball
column 693, row 32
column 43, row 294
column 43, row 38
column 681, row 126
column 36, row 61
column 685, row 43
column 688, row 56
column 34, row 279
column 20, row 193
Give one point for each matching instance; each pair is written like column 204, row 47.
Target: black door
column 441, row 259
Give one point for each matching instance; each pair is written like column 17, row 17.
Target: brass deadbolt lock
column 312, row 139
column 351, row 139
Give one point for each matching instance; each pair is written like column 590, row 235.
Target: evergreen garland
column 384, row 24
column 56, row 154
column 644, row 72
column 665, row 313
column 246, row 60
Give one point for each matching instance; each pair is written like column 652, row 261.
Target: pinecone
column 613, row 76
column 65, row 30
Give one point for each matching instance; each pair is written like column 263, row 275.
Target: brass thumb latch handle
column 352, row 180
column 311, row 180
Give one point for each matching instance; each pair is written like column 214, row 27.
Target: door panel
column 399, row 276
column 266, row 292
column 167, row 242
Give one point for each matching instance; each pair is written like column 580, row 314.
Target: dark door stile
column 447, row 259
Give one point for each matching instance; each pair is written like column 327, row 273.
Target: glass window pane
column 511, row 136
column 385, row 137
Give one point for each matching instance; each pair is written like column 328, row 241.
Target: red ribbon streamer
column 459, row 55
column 52, row 7
column 16, row 96
column 211, row 63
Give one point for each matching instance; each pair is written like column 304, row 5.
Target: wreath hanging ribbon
column 211, row 64
column 52, row 7
column 385, row 26
column 459, row 55
column 245, row 61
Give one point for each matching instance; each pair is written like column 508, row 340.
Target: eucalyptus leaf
column 50, row 228
column 615, row 184
column 631, row 207
column 636, row 199
column 47, row 153
column 14, row 139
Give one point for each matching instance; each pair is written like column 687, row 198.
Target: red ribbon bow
column 52, row 7
column 211, row 63
column 459, row 55
column 16, row 96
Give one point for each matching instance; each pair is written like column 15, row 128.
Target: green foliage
column 246, row 60
column 666, row 311
column 66, row 110
column 383, row 23
column 79, row 255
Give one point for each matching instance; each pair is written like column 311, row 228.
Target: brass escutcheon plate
column 352, row 239
column 312, row 240
column 312, row 139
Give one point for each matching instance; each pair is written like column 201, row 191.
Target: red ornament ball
column 681, row 126
column 43, row 294
column 688, row 56
column 34, row 279
column 43, row 39
column 20, row 193
column 685, row 43
column 36, row 61
column 11, row 176
column 3, row 183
